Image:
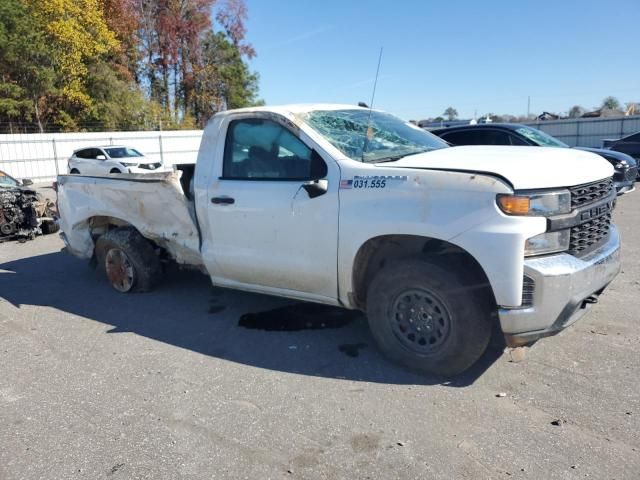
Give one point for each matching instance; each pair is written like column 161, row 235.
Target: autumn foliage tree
column 93, row 64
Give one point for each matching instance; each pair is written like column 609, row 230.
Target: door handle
column 223, row 200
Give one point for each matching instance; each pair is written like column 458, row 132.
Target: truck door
column 271, row 225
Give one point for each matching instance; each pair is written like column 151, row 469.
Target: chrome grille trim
column 590, row 192
column 587, row 236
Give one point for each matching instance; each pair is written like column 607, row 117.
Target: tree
column 611, row 103
column 178, row 45
column 118, row 104
column 76, row 34
column 224, row 80
column 576, row 111
column 450, row 113
column 92, row 64
column 232, row 17
column 123, row 18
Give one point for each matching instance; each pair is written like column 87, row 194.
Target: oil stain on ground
column 299, row 316
column 352, row 349
column 216, row 308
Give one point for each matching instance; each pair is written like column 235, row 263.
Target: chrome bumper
column 565, row 286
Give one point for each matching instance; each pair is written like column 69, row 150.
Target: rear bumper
column 565, row 286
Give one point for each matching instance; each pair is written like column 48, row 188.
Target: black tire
column 444, row 346
column 115, row 170
column 48, row 227
column 139, row 258
column 74, row 171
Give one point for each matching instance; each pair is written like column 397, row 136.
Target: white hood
column 524, row 167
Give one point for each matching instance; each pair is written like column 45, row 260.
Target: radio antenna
column 373, row 96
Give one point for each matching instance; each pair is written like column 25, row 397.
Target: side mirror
column 315, row 188
column 101, row 157
column 27, row 181
column 318, row 167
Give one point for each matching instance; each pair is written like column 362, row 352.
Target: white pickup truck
column 345, row 206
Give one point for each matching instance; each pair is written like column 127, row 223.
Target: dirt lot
column 168, row 385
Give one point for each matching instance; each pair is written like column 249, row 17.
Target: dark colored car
column 629, row 145
column 626, row 169
column 24, row 213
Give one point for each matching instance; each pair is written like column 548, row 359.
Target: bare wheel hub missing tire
column 420, row 321
column 120, row 271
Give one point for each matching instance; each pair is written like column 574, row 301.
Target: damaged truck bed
column 154, row 203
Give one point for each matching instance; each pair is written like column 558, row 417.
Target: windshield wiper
column 393, row 158
column 389, row 159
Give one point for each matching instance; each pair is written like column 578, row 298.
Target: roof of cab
column 101, row 146
column 296, row 108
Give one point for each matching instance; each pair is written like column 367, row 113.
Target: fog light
column 548, row 242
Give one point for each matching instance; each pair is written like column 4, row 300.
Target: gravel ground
column 168, row 385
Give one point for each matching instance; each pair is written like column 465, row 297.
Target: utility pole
column 528, row 106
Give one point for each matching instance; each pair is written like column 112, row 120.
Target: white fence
column 589, row 132
column 41, row 157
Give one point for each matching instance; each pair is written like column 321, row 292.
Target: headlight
column 548, row 242
column 536, row 204
column 124, row 164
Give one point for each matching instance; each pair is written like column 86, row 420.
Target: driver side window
column 259, row 149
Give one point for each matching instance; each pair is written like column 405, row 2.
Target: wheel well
column 379, row 251
column 100, row 225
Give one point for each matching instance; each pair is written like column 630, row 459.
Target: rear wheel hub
column 120, row 271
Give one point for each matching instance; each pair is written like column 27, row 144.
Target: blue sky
column 473, row 55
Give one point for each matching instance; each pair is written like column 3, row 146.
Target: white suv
column 111, row 159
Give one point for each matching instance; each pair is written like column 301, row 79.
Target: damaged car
column 354, row 207
column 24, row 213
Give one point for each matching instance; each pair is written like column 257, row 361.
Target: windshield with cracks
column 371, row 136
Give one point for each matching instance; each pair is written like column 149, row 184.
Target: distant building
column 604, row 112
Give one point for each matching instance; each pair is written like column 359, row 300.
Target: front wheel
column 425, row 318
column 129, row 260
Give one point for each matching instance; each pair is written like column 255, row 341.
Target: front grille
column 149, row 166
column 590, row 192
column 631, row 173
column 528, row 288
column 587, row 236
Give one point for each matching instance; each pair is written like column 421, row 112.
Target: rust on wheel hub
column 119, row 269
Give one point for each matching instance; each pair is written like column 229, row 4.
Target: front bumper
column 627, row 188
column 565, row 286
column 160, row 169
